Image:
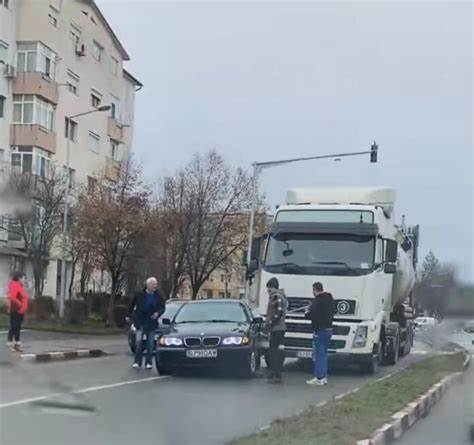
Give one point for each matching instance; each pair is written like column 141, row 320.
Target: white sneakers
column 149, row 366
column 136, row 366
column 317, row 382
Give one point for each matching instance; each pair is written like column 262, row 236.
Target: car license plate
column 304, row 354
column 202, row 353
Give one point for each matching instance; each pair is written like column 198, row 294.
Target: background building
column 61, row 58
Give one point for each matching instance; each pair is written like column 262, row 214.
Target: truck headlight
column 360, row 339
column 237, row 341
column 171, row 341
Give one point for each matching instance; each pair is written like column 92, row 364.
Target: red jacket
column 17, row 297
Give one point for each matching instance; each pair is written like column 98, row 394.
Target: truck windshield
column 313, row 254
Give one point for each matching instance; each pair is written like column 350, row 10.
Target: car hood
column 200, row 329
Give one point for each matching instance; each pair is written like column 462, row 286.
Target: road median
column 355, row 416
column 64, row 355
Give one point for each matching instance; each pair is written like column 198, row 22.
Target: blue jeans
column 321, row 341
column 150, row 345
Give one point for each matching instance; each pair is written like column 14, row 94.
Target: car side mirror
column 391, row 251
column 390, row 268
column 257, row 320
column 166, row 321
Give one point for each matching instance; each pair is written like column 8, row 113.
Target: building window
column 75, row 36
column 70, row 129
column 114, row 66
column 3, row 51
column 94, row 142
column 2, row 106
column 32, row 160
column 36, row 57
column 222, row 278
column 115, row 107
column 71, row 87
column 114, row 150
column 95, row 101
column 71, row 178
column 2, row 160
column 209, row 294
column 97, row 51
column 56, row 5
column 29, row 109
column 52, row 20
column 91, row 185
column 5, row 3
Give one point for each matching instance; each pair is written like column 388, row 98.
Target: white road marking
column 80, row 391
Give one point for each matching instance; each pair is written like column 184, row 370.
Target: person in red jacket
column 18, row 305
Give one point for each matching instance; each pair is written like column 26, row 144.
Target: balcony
column 114, row 129
column 31, row 135
column 38, row 84
column 112, row 169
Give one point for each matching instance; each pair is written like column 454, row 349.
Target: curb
column 68, row 355
column 405, row 418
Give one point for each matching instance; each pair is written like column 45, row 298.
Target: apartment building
column 63, row 65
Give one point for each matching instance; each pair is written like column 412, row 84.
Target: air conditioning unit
column 10, row 71
column 80, row 49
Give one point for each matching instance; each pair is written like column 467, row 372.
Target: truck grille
column 307, row 328
column 297, row 302
column 307, row 343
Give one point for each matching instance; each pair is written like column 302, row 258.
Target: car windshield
column 171, row 309
column 307, row 254
column 211, row 312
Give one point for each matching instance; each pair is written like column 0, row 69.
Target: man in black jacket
column 146, row 307
column 321, row 314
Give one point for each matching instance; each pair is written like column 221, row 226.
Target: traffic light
column 373, row 152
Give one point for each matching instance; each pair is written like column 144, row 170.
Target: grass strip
column 357, row 416
column 89, row 327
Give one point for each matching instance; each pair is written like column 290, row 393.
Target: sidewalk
column 449, row 420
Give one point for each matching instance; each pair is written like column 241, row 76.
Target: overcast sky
column 264, row 81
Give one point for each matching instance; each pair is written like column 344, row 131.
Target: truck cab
column 347, row 240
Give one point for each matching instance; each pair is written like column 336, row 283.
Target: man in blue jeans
column 147, row 306
column 321, row 314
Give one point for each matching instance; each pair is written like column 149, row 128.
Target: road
column 449, row 421
column 141, row 407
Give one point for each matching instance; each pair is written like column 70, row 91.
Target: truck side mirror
column 389, row 268
column 391, row 251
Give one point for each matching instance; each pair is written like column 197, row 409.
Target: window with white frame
column 94, row 142
column 3, row 51
column 2, row 106
column 114, row 66
column 70, row 129
column 114, row 150
column 115, row 107
column 52, row 19
column 97, row 50
column 2, row 159
column 36, row 57
column 95, row 100
column 31, row 160
column 29, row 109
column 71, row 177
column 75, row 36
column 72, row 82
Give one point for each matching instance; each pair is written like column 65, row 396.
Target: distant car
column 424, row 322
column 172, row 306
column 469, row 327
column 211, row 334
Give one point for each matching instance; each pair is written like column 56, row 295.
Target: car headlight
column 171, row 341
column 237, row 341
column 360, row 338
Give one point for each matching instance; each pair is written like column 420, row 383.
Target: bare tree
column 112, row 218
column 216, row 203
column 42, row 222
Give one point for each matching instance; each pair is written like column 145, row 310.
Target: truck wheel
column 371, row 366
column 392, row 356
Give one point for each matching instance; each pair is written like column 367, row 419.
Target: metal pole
column 252, row 222
column 62, row 300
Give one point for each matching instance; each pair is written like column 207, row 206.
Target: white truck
column 347, row 239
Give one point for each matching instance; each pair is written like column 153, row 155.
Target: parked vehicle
column 211, row 333
column 172, row 306
column 347, row 239
column 424, row 322
column 469, row 327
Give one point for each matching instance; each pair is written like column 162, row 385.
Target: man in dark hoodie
column 321, row 314
column 275, row 326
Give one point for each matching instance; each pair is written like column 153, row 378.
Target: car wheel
column 162, row 369
column 251, row 366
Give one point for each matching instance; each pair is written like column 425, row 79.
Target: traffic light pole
column 257, row 169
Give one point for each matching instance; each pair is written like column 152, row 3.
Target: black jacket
column 136, row 309
column 321, row 312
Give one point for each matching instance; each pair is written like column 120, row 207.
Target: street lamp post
column 69, row 119
column 259, row 166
